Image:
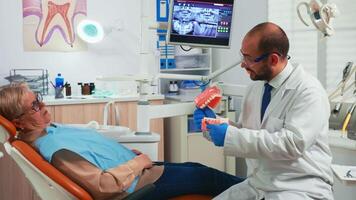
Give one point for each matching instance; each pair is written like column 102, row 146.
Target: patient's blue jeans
column 190, row 178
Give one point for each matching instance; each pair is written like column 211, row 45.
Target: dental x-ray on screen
column 200, row 22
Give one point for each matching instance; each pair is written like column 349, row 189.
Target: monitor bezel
column 169, row 29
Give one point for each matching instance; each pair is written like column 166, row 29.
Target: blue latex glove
column 199, row 114
column 217, row 133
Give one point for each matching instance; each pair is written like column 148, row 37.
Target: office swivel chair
column 47, row 181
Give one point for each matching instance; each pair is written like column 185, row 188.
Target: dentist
column 283, row 125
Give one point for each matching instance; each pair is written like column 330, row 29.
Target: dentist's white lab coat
column 287, row 155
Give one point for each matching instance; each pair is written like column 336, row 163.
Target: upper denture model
column 210, row 97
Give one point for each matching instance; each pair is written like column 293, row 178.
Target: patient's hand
column 137, row 152
column 144, row 160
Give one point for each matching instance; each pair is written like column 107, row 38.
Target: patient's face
column 35, row 114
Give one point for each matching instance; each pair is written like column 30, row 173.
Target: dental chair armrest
column 139, row 194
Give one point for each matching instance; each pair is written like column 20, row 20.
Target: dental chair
column 47, row 181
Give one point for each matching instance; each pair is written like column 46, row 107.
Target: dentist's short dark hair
column 272, row 38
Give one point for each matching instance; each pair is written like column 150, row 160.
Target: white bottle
column 171, row 87
column 175, row 86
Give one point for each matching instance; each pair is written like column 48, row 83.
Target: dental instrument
column 344, row 86
column 348, row 117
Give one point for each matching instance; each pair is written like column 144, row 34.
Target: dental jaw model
column 211, row 97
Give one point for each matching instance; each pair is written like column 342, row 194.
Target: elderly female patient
column 105, row 168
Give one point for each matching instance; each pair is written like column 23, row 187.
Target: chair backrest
column 31, row 163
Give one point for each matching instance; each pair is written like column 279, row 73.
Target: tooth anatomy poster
column 49, row 25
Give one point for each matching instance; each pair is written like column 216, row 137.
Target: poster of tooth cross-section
column 49, row 25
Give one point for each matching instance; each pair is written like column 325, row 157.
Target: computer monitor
column 205, row 23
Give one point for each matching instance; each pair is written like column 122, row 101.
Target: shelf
column 192, row 55
column 184, row 70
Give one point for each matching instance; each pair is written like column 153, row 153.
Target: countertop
column 339, row 140
column 50, row 100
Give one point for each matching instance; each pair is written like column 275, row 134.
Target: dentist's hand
column 217, row 133
column 199, row 114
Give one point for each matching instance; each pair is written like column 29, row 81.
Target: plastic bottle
column 59, row 80
column 175, row 86
column 92, row 88
column 80, row 89
column 171, row 87
column 68, row 90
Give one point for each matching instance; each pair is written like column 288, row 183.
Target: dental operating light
column 90, row 31
column 321, row 14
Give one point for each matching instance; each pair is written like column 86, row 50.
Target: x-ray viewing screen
column 200, row 22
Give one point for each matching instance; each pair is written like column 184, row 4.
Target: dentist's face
column 256, row 68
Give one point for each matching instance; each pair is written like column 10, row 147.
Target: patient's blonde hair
column 11, row 100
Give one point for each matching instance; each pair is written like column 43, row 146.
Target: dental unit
column 342, row 101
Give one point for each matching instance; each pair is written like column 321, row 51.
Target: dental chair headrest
column 11, row 129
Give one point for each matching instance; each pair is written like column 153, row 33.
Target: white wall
column 247, row 14
column 119, row 53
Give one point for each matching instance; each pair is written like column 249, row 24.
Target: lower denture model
column 207, row 120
